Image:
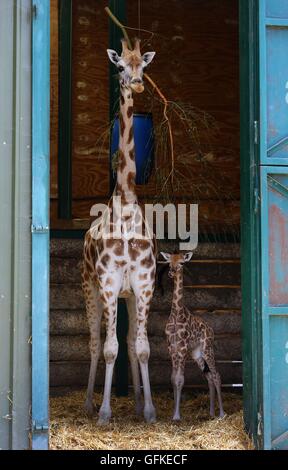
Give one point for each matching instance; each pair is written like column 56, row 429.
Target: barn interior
column 197, row 67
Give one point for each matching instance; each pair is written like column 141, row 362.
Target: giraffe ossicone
column 122, row 266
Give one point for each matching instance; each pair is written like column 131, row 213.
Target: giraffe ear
column 147, row 58
column 113, row 56
column 188, row 256
column 166, row 256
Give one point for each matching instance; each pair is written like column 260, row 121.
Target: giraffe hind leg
column 203, row 366
column 215, row 377
column 131, row 340
column 94, row 312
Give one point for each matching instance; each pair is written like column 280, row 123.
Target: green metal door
column 264, row 201
column 273, row 78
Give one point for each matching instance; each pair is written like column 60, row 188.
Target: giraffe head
column 131, row 65
column 176, row 261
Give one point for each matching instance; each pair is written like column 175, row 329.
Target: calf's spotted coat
column 187, row 335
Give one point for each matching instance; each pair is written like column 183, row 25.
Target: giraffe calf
column 189, row 335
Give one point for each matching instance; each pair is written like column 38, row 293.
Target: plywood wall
column 197, row 63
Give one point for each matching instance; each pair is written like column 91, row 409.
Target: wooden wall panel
column 212, row 291
column 197, row 62
column 90, row 100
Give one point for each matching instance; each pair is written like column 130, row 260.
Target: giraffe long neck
column 126, row 171
column 177, row 302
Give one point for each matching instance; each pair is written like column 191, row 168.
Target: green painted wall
column 15, row 222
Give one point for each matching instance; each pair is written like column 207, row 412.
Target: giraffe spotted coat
column 189, row 336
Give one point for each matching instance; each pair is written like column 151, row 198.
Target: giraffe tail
column 206, row 368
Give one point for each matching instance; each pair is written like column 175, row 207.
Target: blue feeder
column 144, row 146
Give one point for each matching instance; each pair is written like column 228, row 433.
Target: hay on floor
column 72, row 429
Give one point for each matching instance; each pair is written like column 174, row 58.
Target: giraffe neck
column 126, row 171
column 177, row 303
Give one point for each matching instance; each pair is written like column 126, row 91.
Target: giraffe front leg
column 177, row 382
column 143, row 351
column 211, row 393
column 110, row 352
column 131, row 340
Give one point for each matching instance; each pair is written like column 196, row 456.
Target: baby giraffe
column 189, row 335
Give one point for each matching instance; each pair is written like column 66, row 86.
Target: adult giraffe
column 122, row 265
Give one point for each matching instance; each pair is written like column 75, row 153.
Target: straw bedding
column 72, row 429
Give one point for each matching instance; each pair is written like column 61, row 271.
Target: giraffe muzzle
column 137, row 85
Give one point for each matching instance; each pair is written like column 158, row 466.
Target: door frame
column 40, row 222
column 250, row 221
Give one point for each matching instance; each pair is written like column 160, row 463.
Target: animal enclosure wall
column 196, row 63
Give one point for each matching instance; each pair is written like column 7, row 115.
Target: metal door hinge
column 37, row 427
column 260, row 424
column 39, row 229
column 256, row 199
column 256, row 132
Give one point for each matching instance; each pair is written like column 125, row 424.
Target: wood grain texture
column 219, row 306
column 90, row 98
column 67, row 270
column 70, row 296
column 205, row 252
column 197, row 63
column 212, row 214
column 76, row 348
column 74, row 322
column 74, row 374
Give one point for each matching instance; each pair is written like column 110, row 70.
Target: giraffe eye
column 120, row 68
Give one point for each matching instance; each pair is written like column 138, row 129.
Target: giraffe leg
column 202, row 366
column 211, row 393
column 132, row 334
column 110, row 346
column 143, row 300
column 215, row 377
column 94, row 314
column 178, row 382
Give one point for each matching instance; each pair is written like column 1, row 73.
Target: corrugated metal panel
column 15, row 216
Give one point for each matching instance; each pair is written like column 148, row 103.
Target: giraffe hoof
column 102, row 422
column 150, row 415
column 104, row 418
column 89, row 409
column 222, row 414
column 176, row 418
